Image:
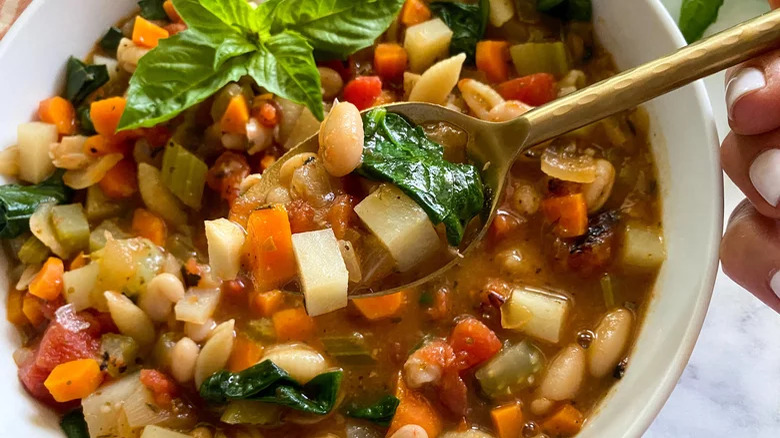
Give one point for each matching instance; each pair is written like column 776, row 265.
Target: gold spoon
column 495, row 146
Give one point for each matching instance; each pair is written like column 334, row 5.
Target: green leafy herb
column 73, row 425
column 467, row 22
column 82, row 79
column 576, row 10
column 397, row 152
column 111, row 39
column 228, row 39
column 266, row 382
column 426, row 298
column 85, row 120
column 381, row 412
column 696, row 16
column 153, row 9
column 18, row 203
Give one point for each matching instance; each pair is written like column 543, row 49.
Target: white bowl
column 32, row 60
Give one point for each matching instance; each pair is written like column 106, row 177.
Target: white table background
column 731, row 387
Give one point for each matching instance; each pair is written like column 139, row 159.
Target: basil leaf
column 82, row 79
column 284, row 65
column 234, row 13
column 110, row 40
column 74, row 425
column 696, row 16
column 336, row 27
column 18, row 203
column 467, row 22
column 268, row 383
column 174, row 76
column 397, row 152
column 153, row 9
column 381, row 412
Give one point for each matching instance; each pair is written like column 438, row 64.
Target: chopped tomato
column 301, row 216
column 453, row 392
column 536, row 89
column 157, row 136
column 226, row 174
column 162, row 386
column 362, row 91
column 473, row 343
column 502, row 225
column 341, row 214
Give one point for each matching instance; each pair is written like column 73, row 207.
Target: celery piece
column 530, row 58
column 99, row 206
column 181, row 246
column 261, row 330
column 350, row 349
column 514, row 368
column 33, row 251
column 71, row 227
column 184, row 174
column 252, row 412
column 607, row 290
column 118, row 354
column 97, row 238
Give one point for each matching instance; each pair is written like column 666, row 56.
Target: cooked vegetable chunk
column 535, row 313
column 323, row 274
column 34, row 139
column 225, row 241
column 426, row 42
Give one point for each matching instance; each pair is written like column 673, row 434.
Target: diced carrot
column 381, row 307
column 493, row 60
column 363, row 91
column 566, row 421
column 293, row 325
column 170, row 11
column 265, row 111
column 106, row 113
column 390, row 61
column 267, row 161
column 14, row 307
column 149, row 225
column 508, row 420
column 236, row 116
column 414, row 12
column 569, row 214
column 47, row 284
column 234, row 289
column 536, row 89
column 147, row 34
column 74, row 380
column 245, row 354
column 32, row 307
column 414, row 409
column 59, row 112
column 268, row 248
column 121, row 181
column 266, row 303
column 473, row 343
column 78, row 262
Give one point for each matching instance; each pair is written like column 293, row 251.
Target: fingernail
column 744, row 82
column 765, row 175
column 774, row 283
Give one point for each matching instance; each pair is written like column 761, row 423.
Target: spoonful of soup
column 411, row 188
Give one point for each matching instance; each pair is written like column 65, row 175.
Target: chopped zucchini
column 157, row 197
column 97, row 238
column 252, row 412
column 34, row 139
column 351, row 349
column 79, row 286
column 536, row 313
column 514, row 368
column 261, row 330
column 99, row 206
column 225, row 241
column 71, row 227
column 33, row 251
column 322, row 271
column 118, row 353
column 643, row 247
column 184, row 174
column 128, row 265
column 530, row 58
column 426, row 43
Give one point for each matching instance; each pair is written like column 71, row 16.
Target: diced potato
column 643, row 247
column 322, row 271
column 103, row 408
column 225, row 241
column 112, row 65
column 400, row 224
column 79, row 286
column 34, row 139
column 426, row 42
column 536, row 313
column 435, row 85
column 197, row 306
column 501, row 11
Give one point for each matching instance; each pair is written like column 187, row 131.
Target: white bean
column 541, row 406
column 564, row 374
column 341, row 139
column 131, row 320
column 526, row 199
column 410, row 431
column 128, row 54
column 331, row 82
column 259, row 136
column 290, row 166
column 249, row 182
column 611, row 340
column 215, row 353
column 160, row 294
column 183, row 358
column 201, row 432
column 481, row 98
column 597, row 192
column 509, row 110
column 199, row 332
column 300, row 361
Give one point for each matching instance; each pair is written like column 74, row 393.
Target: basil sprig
column 696, row 16
column 273, row 43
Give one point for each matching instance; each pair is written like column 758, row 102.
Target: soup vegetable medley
column 162, row 288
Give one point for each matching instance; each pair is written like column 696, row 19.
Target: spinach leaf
column 85, row 120
column 547, row 5
column 82, row 79
column 568, row 10
column 153, row 9
column 266, row 382
column 111, row 39
column 696, row 16
column 397, row 152
column 18, row 203
column 467, row 22
column 335, row 27
column 74, row 425
column 381, row 412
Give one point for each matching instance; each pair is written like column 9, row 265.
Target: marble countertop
column 731, row 386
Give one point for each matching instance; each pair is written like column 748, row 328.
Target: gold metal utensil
column 495, row 146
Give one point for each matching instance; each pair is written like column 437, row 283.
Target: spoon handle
column 638, row 85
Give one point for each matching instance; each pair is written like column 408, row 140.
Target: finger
column 750, row 253
column 753, row 163
column 753, row 95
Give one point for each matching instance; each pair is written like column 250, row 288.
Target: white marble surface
column 731, row 387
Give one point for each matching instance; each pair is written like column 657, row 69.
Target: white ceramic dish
column 32, row 60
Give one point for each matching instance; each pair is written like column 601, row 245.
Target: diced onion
column 83, row 178
column 566, row 163
column 42, row 228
